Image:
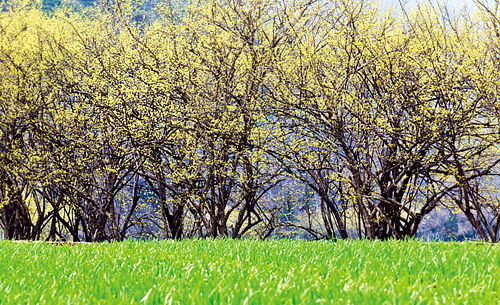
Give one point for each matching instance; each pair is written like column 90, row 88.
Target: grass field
column 250, row 272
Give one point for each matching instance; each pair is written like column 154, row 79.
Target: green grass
column 250, row 272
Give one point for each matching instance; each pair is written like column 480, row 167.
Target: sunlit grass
column 250, row 272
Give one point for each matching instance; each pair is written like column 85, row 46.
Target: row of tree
column 246, row 118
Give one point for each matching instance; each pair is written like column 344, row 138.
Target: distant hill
column 51, row 4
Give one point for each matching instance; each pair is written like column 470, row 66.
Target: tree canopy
column 246, row 119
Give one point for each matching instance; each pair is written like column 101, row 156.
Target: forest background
column 248, row 119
